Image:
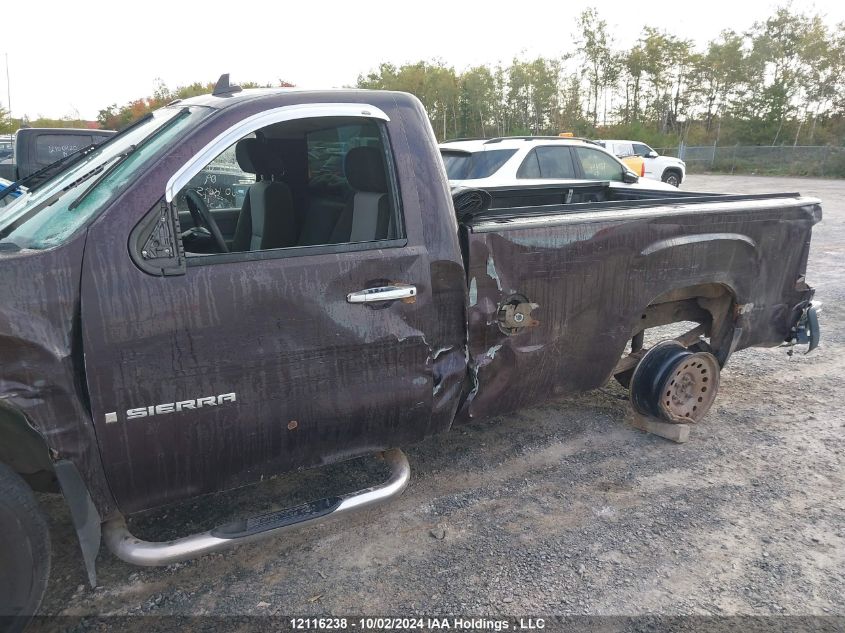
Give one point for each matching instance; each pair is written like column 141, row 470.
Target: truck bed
column 598, row 267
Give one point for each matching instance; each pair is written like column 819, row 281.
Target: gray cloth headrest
column 257, row 157
column 244, row 153
column 365, row 169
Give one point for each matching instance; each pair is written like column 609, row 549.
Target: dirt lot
column 561, row 509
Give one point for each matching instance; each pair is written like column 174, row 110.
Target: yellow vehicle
column 633, row 162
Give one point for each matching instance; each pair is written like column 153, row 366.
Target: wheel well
column 24, row 450
column 706, row 304
column 673, row 170
column 709, row 306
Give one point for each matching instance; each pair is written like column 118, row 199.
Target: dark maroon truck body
column 594, row 273
column 85, row 331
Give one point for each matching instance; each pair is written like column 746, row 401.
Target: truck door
column 304, row 344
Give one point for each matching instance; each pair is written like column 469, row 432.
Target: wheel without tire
column 24, row 552
column 672, row 178
column 675, row 384
column 691, row 389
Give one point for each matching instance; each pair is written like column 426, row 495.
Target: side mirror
column 652, row 154
column 629, row 177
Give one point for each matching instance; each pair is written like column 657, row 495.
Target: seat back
column 267, row 219
column 367, row 215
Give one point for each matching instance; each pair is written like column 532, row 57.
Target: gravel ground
column 560, row 509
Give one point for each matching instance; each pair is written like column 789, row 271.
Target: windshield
column 469, row 166
column 47, row 217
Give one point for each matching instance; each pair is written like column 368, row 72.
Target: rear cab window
column 51, row 147
column 623, row 149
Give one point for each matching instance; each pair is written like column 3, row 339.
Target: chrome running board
column 149, row 554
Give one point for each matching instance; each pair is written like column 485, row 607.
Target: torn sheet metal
column 41, row 374
column 591, row 281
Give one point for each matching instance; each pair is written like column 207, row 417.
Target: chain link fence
column 824, row 161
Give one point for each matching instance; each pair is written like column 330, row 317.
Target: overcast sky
column 90, row 54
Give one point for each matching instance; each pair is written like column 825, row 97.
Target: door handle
column 383, row 293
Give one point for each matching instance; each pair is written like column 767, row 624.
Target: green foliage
column 434, row 83
column 639, row 131
column 115, row 118
column 64, row 122
column 6, row 123
column 600, row 67
column 782, row 82
column 10, row 125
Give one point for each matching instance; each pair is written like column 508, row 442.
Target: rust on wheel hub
column 690, row 388
column 674, row 384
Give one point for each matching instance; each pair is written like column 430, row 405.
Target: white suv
column 534, row 160
column 665, row 168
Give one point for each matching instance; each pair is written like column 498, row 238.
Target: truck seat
column 267, row 219
column 322, row 214
column 366, row 216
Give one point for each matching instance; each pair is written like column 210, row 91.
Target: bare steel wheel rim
column 690, row 388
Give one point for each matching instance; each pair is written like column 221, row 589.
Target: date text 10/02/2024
column 420, row 623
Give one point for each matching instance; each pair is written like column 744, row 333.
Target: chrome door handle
column 383, row 293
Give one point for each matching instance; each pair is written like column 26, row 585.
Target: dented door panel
column 292, row 375
column 591, row 275
column 315, row 379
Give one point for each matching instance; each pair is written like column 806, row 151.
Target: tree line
column 780, row 82
column 115, row 117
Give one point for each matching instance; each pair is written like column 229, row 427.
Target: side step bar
column 126, row 547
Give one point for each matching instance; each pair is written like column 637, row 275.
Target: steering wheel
column 202, row 217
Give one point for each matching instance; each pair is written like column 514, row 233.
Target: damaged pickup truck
column 154, row 350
